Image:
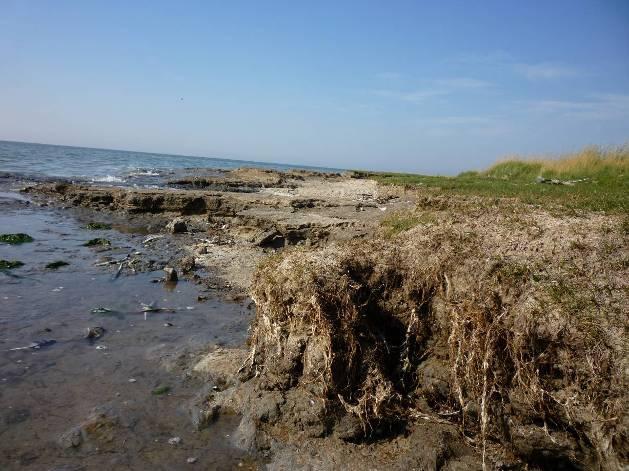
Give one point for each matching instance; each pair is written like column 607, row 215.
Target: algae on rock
column 15, row 239
column 9, row 264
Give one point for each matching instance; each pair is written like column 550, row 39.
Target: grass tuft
column 400, row 222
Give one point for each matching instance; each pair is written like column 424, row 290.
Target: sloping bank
column 499, row 337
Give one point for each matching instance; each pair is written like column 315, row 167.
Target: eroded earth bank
column 390, row 328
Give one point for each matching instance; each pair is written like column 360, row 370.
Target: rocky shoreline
column 228, row 232
column 292, row 239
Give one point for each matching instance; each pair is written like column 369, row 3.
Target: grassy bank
column 593, row 179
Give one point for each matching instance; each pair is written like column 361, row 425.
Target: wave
column 144, row 173
column 109, row 179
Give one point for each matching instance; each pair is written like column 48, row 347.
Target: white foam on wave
column 109, row 179
column 145, row 173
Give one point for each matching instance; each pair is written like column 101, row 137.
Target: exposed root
column 535, row 347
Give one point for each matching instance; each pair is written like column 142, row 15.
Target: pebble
column 191, row 460
column 174, row 441
column 94, row 332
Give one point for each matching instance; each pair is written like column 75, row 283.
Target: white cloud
column 544, row 71
column 606, row 106
column 463, row 82
column 436, row 88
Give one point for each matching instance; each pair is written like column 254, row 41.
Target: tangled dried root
column 535, row 347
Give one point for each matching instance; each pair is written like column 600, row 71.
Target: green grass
column 160, row 390
column 605, row 188
column 400, row 222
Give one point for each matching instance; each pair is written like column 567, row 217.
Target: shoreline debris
column 35, row 345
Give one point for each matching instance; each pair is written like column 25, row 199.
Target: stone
column 71, row 439
column 177, row 226
column 187, row 264
column 174, row 441
column 171, row 274
column 94, row 332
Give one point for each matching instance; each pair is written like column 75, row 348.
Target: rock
column 71, row 439
column 99, row 241
column 174, row 441
column 203, row 414
column 171, row 274
column 94, row 332
column 177, row 226
column 57, row 264
column 244, row 438
column 187, row 264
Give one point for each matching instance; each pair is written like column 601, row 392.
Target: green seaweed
column 158, row 391
column 8, row 264
column 56, row 264
column 94, row 226
column 97, row 241
column 15, row 239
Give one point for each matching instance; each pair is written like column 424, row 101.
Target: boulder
column 177, row 226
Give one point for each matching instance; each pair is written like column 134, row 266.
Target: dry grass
column 524, row 317
column 591, row 162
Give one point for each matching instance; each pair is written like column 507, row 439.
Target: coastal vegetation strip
column 595, row 179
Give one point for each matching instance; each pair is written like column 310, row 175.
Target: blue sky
column 434, row 87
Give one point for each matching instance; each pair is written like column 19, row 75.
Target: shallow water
column 45, row 392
